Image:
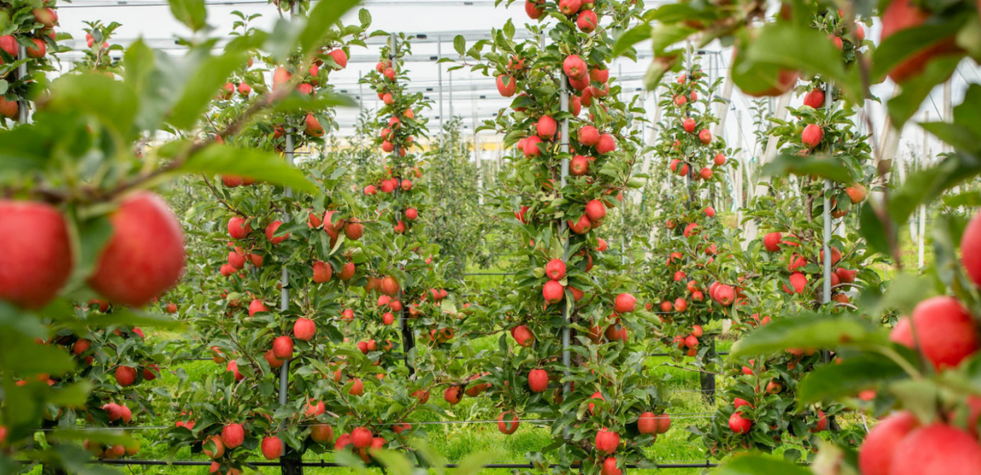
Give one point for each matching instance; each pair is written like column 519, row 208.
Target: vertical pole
column 22, row 72
column 407, row 341
column 564, row 149
column 289, row 458
column 439, row 54
column 921, row 212
column 826, row 295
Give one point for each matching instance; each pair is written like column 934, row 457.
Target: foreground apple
column 145, row 255
column 37, row 253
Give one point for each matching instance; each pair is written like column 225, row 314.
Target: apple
column 507, row 423
column 272, row 447
column 232, row 435
column 304, row 329
column 145, row 254
column 538, row 380
column 607, row 441
column 945, row 330
column 37, row 253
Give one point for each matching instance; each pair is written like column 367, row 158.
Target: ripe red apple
column 579, row 165
column 283, row 347
column 272, row 447
column 233, row 368
column 239, row 228
column 361, row 437
column 523, row 335
column 453, row 395
column 256, row 306
column 145, row 255
column 39, row 49
column 970, row 250
column 574, row 66
column 647, row 423
column 236, row 258
column 772, row 241
column 582, row 226
column 271, row 233
column 304, row 329
column 607, row 441
column 531, row 148
column 610, row 467
column 663, row 422
column 812, row 135
column 353, row 229
column 347, row 272
column 814, row 98
column 538, row 380
column 588, row 135
column 232, row 435
column 720, row 159
column 312, row 126
column 506, row 85
column 705, row 136
column 738, row 424
column 835, row 256
column 322, row 433
column 555, row 269
column 125, row 375
column 625, row 303
column 213, row 446
column 546, row 127
column 798, row 281
column 569, row 7
column 937, row 449
column 876, row 454
column 606, row 144
column 9, row 109
column 856, row 193
column 37, row 253
column 946, row 332
column 339, row 57
column 534, row 9
column 273, row 361
column 689, row 125
column 587, row 21
column 322, row 272
column 507, row 423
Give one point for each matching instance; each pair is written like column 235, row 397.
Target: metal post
column 439, row 54
column 564, row 148
column 22, row 72
column 289, row 459
column 826, row 297
column 921, row 212
column 407, row 340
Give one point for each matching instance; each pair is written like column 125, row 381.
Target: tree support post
column 408, row 342
column 564, row 149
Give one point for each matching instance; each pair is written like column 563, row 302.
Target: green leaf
column 851, row 375
column 873, row 230
column 925, row 185
column 192, row 13
column 114, row 103
column 807, row 331
column 957, row 135
column 822, row 167
column 781, row 43
column 93, row 234
column 394, row 462
column 760, row 465
column 663, row 36
column 130, row 317
column 474, row 463
column 302, row 102
column 265, row 166
column 903, row 44
column 324, row 14
column 915, row 90
column 460, row 44
column 202, row 84
column 631, row 37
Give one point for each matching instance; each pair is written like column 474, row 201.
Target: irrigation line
column 323, row 464
column 679, row 415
